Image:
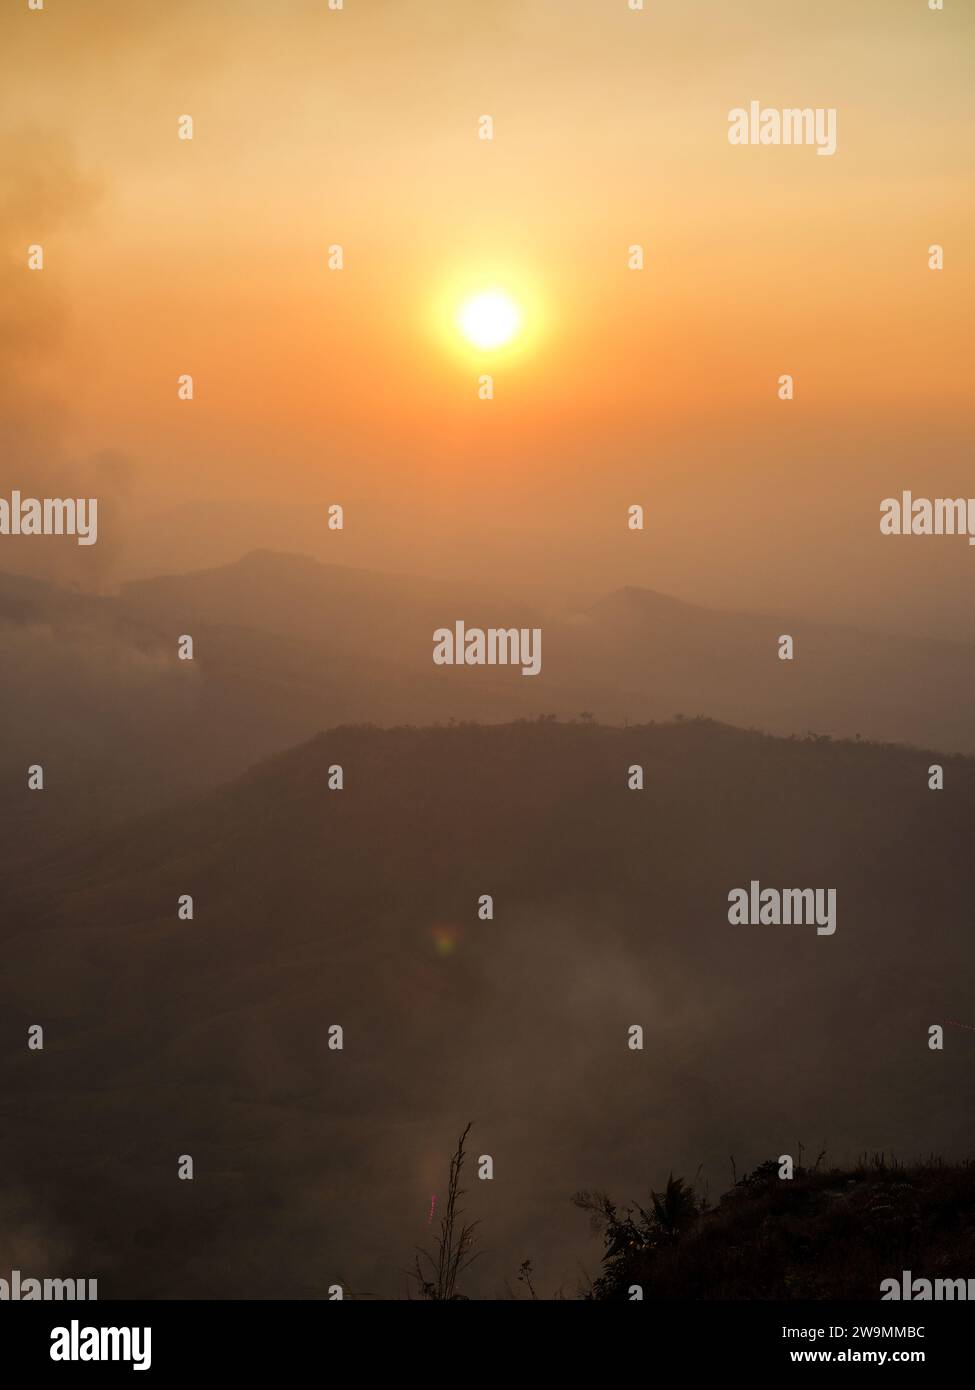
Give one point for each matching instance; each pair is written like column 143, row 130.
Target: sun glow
column 489, row 320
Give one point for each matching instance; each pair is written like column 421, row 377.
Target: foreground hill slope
column 824, row 1232
column 359, row 908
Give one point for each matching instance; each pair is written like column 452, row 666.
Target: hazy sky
column 359, row 127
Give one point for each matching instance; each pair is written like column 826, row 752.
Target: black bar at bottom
column 316, row 1338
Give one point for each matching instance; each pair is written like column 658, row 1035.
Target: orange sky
column 360, row 127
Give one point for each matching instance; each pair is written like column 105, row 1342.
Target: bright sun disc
column 490, row 320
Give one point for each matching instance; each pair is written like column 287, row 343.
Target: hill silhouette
column 285, row 646
column 823, row 1233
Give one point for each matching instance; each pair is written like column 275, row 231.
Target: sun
column 489, row 320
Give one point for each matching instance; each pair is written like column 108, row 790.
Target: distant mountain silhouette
column 843, row 681
column 359, row 907
column 285, row 646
